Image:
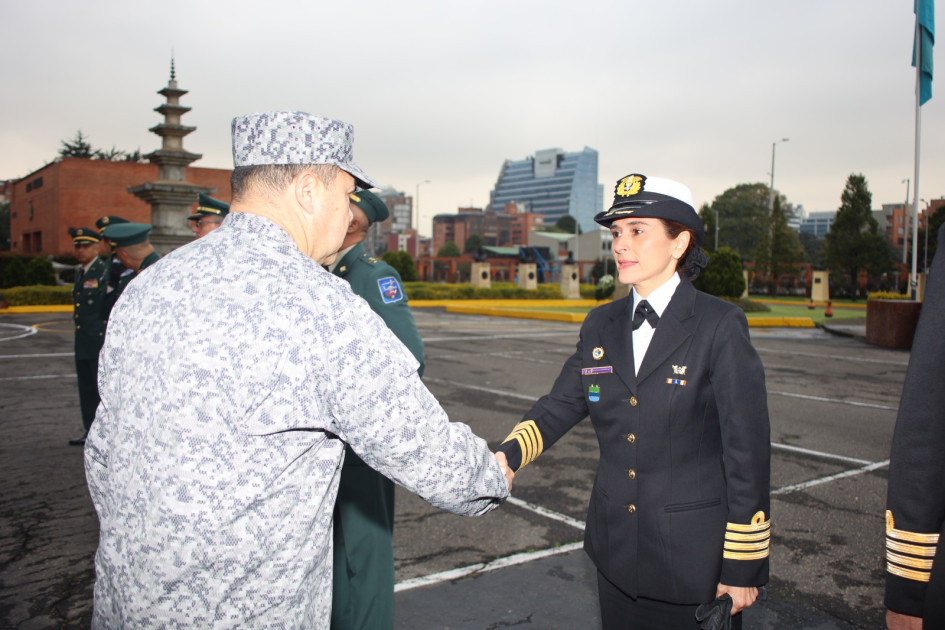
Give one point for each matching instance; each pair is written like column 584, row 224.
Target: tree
column 780, row 246
column 78, row 147
column 449, row 250
column 708, row 220
column 40, row 271
column 568, row 224
column 403, row 263
column 723, row 274
column 14, row 274
column 743, row 217
column 854, row 242
column 813, row 249
column 603, row 266
column 935, row 221
column 473, row 243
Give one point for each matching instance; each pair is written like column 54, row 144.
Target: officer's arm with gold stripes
column 738, row 385
column 550, row 417
column 915, row 501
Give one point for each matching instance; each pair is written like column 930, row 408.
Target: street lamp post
column 426, row 181
column 771, row 199
column 905, row 211
column 716, row 230
column 926, row 264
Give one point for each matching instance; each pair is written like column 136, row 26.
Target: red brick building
column 499, row 229
column 74, row 192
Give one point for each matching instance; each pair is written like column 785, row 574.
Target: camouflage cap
column 373, row 206
column 81, row 236
column 208, row 206
column 282, row 137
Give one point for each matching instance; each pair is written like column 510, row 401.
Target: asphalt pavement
column 832, row 400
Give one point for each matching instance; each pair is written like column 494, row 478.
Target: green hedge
column 37, row 295
column 749, row 306
column 498, row 291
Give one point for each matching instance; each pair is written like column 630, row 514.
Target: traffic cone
column 829, row 311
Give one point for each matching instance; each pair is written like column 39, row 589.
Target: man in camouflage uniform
column 364, row 510
column 228, row 397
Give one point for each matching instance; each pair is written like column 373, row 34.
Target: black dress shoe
column 78, row 441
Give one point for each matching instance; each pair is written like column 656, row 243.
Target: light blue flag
column 925, row 14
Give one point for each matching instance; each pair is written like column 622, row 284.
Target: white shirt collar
column 660, row 297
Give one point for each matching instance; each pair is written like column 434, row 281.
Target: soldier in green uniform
column 364, row 511
column 105, row 249
column 90, row 297
column 132, row 249
column 209, row 216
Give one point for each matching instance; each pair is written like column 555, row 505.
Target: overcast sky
column 445, row 91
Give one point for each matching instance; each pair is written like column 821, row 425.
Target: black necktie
column 645, row 312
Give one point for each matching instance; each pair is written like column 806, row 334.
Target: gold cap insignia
column 630, row 185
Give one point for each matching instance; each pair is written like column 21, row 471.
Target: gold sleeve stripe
column 906, row 561
column 927, row 539
column 758, row 523
column 733, row 546
column 734, row 555
column 915, row 550
column 529, row 440
column 764, row 535
column 918, row 576
column 901, row 534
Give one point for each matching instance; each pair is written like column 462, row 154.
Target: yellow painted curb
column 781, row 322
column 25, row 310
column 468, row 309
column 509, row 303
column 860, row 307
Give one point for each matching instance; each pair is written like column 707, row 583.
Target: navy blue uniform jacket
column 681, row 498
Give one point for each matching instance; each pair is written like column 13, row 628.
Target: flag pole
column 914, row 278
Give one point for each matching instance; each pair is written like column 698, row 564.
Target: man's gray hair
column 274, row 178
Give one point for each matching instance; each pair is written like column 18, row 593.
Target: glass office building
column 552, row 183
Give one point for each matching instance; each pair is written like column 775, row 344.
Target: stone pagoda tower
column 171, row 196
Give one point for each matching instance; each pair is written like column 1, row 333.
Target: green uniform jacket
column 92, row 306
column 364, row 510
column 131, row 275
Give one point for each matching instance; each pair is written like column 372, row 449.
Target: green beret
column 207, row 206
column 84, row 235
column 375, row 209
column 109, row 220
column 124, row 234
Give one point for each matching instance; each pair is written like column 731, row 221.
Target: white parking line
column 37, row 356
column 837, row 357
column 25, row 331
column 829, row 478
column 852, row 403
column 498, row 563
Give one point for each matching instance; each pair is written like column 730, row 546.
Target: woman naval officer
column 680, row 510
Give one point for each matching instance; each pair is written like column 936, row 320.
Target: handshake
column 504, row 467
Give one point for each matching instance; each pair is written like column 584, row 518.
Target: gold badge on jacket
column 597, row 353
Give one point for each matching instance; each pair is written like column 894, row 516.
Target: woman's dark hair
column 693, row 260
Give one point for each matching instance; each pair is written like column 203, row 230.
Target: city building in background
column 510, row 226
column 552, row 183
column 818, row 223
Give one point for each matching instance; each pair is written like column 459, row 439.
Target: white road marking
column 498, row 563
column 840, row 475
column 25, row 331
column 852, row 403
column 33, row 378
column 37, row 356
